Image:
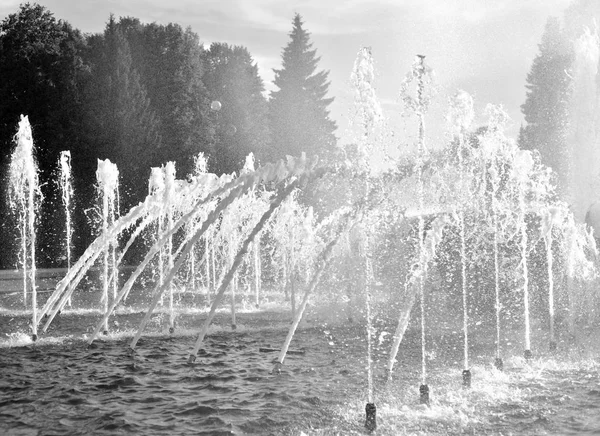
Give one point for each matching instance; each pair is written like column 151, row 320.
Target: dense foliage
column 137, row 94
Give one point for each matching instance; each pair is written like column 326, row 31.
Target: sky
column 484, row 47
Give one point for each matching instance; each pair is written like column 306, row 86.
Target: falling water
column 156, row 186
column 193, row 269
column 275, row 203
column 207, row 264
column 292, row 270
column 463, row 263
column 460, row 117
column 169, row 171
column 113, row 249
column 369, row 114
column 24, row 195
column 66, row 187
column 549, row 219
column 107, row 176
column 420, row 70
column 548, row 240
column 213, row 264
column 523, row 166
column 321, row 265
column 233, row 281
column 256, row 252
column 525, row 276
column 496, row 280
column 368, row 281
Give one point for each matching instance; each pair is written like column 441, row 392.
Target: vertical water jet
column 107, row 176
column 24, row 197
column 66, row 188
column 460, row 117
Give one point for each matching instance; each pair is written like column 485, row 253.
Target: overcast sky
column 482, row 46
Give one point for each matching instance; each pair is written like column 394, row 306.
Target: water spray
column 322, row 262
column 523, row 164
column 107, row 176
column 66, row 187
column 24, row 197
column 169, row 171
column 460, row 117
column 498, row 363
column 369, row 111
column 276, row 202
column 257, row 270
column 420, row 71
column 548, row 221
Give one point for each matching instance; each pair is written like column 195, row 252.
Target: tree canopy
column 140, row 95
column 232, row 79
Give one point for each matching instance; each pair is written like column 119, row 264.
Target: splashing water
column 24, row 197
column 66, row 187
column 169, row 171
column 460, row 117
column 523, row 165
column 368, row 281
column 107, row 176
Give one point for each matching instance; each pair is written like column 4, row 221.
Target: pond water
column 61, row 386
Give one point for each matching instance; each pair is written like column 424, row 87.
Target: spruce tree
column 298, row 113
column 546, row 106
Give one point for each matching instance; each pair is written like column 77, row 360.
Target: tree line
column 140, row 95
column 563, row 101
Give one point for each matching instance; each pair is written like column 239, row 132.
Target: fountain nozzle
column 499, row 364
column 424, row 394
column 553, row 345
column 528, row 355
column 466, row 377
column 34, row 337
column 371, row 421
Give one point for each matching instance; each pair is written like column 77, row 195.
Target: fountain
column 107, row 176
column 66, row 188
column 460, row 118
column 24, row 198
column 235, row 233
column 422, row 73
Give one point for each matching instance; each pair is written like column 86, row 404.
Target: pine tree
column 242, row 126
column 298, row 113
column 546, row 106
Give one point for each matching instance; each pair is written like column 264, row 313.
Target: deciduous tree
column 242, row 125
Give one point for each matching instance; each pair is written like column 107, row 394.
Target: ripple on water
column 59, row 386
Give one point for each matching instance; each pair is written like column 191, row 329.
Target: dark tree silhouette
column 242, row 125
column 40, row 67
column 121, row 125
